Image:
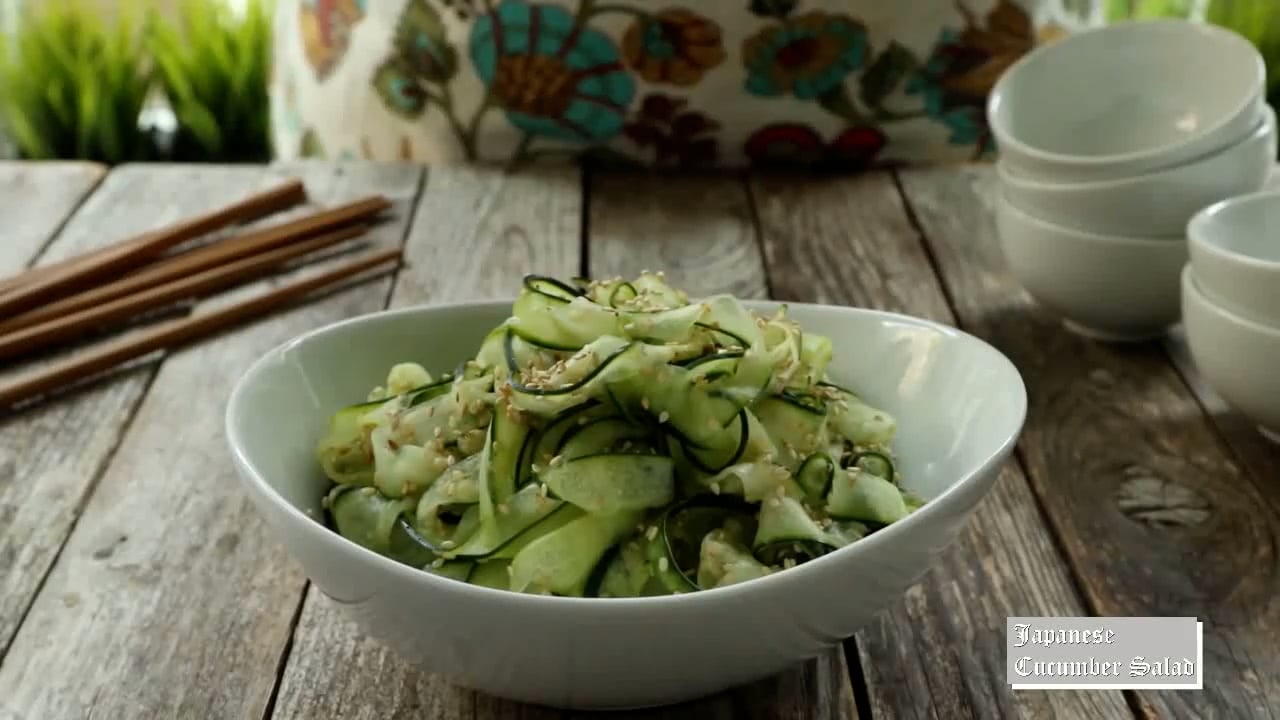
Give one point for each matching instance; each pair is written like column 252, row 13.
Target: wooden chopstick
column 179, row 332
column 200, row 259
column 47, row 284
column 65, row 327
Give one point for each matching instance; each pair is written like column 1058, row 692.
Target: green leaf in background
column 421, row 42
column 401, row 91
column 886, row 74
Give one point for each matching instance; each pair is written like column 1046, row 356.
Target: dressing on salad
column 614, row 439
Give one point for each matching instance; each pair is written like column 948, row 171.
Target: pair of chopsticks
column 108, row 287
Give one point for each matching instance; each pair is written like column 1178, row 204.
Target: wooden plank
column 35, row 200
column 51, row 454
column 475, row 234
column 701, row 233
column 170, row 599
column 939, row 653
column 1152, row 511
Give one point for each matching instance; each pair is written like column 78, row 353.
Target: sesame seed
column 438, row 432
column 557, row 461
column 663, row 565
column 788, row 563
column 663, row 416
column 652, row 532
column 437, row 563
column 431, row 410
column 503, row 509
column 775, row 502
column 369, row 490
column 715, row 488
column 447, row 544
column 644, row 403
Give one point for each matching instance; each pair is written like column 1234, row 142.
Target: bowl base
column 1269, row 434
column 1109, row 336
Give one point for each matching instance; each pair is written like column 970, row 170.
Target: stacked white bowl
column 1110, row 140
column 1231, row 304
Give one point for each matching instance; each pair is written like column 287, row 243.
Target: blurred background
column 187, row 80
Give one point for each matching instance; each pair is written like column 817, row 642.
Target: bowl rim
column 999, row 92
column 1200, row 236
column 1191, row 288
column 1163, row 242
column 259, row 486
column 1009, row 175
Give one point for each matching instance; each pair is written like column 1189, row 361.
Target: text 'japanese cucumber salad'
column 613, row 439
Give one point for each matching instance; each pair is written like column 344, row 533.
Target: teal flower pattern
column 807, row 56
column 552, row 76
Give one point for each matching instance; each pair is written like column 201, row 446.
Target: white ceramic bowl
column 1236, row 356
column 960, row 406
column 1158, row 204
column 1126, row 99
column 1108, row 287
column 1235, row 250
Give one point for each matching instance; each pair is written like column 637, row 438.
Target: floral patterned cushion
column 836, row 84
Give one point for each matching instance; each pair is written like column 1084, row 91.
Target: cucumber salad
column 613, row 439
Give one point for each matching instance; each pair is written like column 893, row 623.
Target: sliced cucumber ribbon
column 614, row 439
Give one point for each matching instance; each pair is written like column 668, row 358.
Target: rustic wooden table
column 136, row 580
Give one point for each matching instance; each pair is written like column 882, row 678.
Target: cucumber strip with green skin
column 722, row 561
column 862, row 424
column 725, row 314
column 625, row 573
column 797, row 432
column 492, row 574
column 708, row 463
column 457, row 569
column 458, row 486
column 815, row 476
column 718, row 363
column 509, row 435
column 657, row 289
column 367, row 518
column 622, row 293
column 876, row 463
column 859, row 495
column 344, row 452
column 785, row 519
column 520, row 512
column 558, row 518
column 613, row 349
column 561, row 561
column 798, row 551
column 551, row 437
column 613, row 482
column 550, row 287
column 599, row 436
column 675, row 550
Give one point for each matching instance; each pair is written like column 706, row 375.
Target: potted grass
column 72, row 86
column 212, row 66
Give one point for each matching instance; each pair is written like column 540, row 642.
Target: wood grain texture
column 1155, row 515
column 52, row 453
column 701, row 233
column 170, row 599
column 476, row 233
column 35, row 199
column 940, row 652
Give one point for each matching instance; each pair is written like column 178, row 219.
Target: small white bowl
column 1235, row 250
column 959, row 404
column 1127, row 99
column 1107, row 287
column 1157, row 204
column 1236, row 356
